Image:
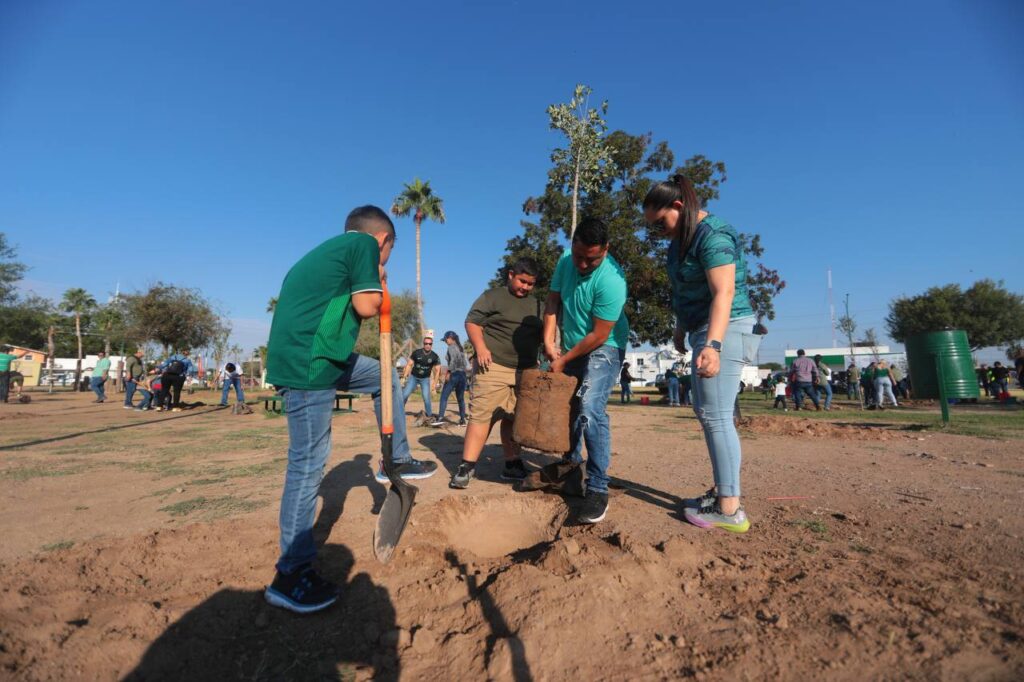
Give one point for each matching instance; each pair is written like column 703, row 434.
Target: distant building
column 28, row 354
column 646, row 365
column 840, row 358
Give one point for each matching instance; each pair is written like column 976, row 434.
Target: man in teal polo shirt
column 99, row 377
column 590, row 288
column 323, row 301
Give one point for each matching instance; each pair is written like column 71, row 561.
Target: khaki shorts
column 493, row 393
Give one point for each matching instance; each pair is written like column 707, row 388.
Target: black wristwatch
column 715, row 345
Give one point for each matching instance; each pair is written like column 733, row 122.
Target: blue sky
column 212, row 144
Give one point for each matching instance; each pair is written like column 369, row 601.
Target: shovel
column 397, row 507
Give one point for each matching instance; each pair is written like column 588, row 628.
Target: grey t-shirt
column 456, row 359
column 513, row 327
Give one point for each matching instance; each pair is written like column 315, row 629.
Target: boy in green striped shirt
column 323, row 301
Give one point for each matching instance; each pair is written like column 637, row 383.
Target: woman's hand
column 552, row 352
column 557, row 365
column 679, row 340
column 708, row 362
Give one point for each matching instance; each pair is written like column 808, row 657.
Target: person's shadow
column 335, row 486
column 447, row 448
column 235, row 635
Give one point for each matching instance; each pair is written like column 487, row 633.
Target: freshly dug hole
column 497, row 526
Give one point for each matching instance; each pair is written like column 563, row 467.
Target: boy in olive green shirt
column 504, row 325
column 323, row 301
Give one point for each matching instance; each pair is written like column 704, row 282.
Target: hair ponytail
column 678, row 188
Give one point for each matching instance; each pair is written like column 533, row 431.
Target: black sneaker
column 595, row 507
column 462, row 477
column 412, row 470
column 462, row 422
column 514, row 470
column 303, row 591
column 437, row 421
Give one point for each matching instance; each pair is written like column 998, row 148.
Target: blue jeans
column 686, row 392
column 596, row 372
column 715, row 397
column 96, row 384
column 129, row 392
column 239, row 393
column 801, row 387
column 1000, row 386
column 883, row 389
column 673, row 391
column 456, row 382
column 828, row 394
column 410, row 386
column 147, row 398
column 627, row 392
column 309, row 445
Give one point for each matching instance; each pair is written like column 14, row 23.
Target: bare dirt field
column 136, row 546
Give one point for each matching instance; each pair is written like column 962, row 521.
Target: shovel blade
column 394, row 516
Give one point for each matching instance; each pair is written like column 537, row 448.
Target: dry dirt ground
column 879, row 550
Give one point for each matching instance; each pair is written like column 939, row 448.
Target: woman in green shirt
column 709, row 295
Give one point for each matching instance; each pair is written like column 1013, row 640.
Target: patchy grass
column 274, row 466
column 206, row 481
column 982, row 420
column 29, row 472
column 813, row 525
column 63, row 544
column 213, row 507
column 863, row 549
column 162, row 468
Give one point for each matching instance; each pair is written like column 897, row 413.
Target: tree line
column 165, row 316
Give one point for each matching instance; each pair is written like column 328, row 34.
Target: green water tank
column 954, row 355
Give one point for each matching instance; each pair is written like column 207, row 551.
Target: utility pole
column 831, row 309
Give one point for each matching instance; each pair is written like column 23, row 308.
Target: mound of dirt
column 814, row 428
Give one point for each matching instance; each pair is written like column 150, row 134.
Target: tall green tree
column 10, row 270
column 404, row 320
column 26, row 321
column 640, row 251
column 78, row 302
column 586, row 162
column 175, row 317
column 418, row 199
column 989, row 313
column 111, row 323
column 847, row 324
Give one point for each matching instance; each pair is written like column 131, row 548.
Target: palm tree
column 79, row 302
column 419, row 199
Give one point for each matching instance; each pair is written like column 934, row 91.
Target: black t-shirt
column 423, row 361
column 1000, row 373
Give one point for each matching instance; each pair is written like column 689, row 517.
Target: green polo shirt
column 315, row 326
column 5, row 361
column 600, row 294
